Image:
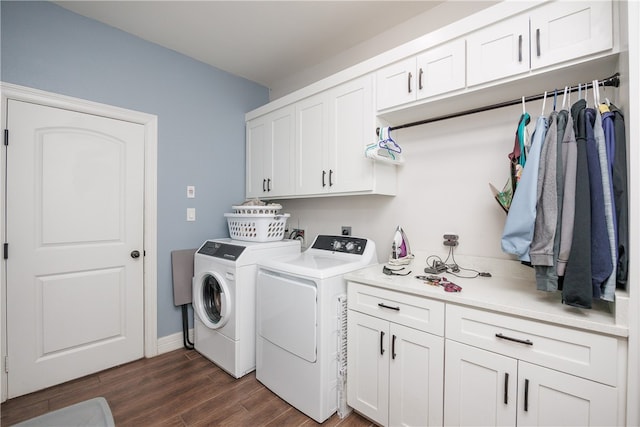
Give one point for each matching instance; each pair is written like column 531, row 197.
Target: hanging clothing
column 518, row 156
column 608, row 288
column 569, row 166
column 601, row 265
column 542, row 244
column 621, row 197
column 518, row 229
column 576, row 286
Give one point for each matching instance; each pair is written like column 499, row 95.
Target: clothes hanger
column 564, row 97
column 544, row 102
column 388, row 143
column 385, row 150
column 555, row 98
column 579, row 91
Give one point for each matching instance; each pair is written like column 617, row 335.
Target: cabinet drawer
column 580, row 353
column 409, row 310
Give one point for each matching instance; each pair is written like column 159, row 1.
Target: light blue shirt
column 521, row 219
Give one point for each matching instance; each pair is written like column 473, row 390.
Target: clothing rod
column 610, row 81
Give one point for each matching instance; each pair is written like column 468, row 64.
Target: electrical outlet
column 346, row 230
column 450, row 239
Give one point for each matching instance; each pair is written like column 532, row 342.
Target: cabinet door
column 279, row 163
column 415, row 377
column 311, row 135
column 499, row 50
column 258, row 145
column 551, row 398
column 441, row 69
column 561, row 31
column 351, row 128
column 396, row 84
column 368, row 366
column 480, row 387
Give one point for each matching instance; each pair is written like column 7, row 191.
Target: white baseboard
column 172, row 342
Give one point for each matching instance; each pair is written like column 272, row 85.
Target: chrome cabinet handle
column 504, row 337
column 538, row 41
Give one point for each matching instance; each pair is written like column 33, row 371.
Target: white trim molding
column 150, row 123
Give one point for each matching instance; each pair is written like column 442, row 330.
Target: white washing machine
column 224, row 299
column 298, row 312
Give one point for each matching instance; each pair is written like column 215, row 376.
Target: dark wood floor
column 179, row 388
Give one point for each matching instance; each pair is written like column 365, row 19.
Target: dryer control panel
column 221, row 250
column 344, row 244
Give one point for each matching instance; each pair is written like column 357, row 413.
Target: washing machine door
column 212, row 300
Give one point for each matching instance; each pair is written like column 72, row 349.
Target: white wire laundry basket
column 256, row 227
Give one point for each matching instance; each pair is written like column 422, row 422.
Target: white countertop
column 510, row 290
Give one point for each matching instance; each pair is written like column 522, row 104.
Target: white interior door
column 75, row 197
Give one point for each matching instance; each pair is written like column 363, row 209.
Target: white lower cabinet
column 480, row 387
column 572, row 381
column 415, row 361
column 489, row 389
column 395, row 372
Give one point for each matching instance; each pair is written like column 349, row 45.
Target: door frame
column 150, row 266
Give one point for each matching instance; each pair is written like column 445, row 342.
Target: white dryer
column 298, row 306
column 224, row 299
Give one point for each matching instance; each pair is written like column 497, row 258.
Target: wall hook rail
column 613, row 80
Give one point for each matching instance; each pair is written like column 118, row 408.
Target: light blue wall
column 200, row 113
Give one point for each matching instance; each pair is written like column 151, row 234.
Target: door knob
column 135, row 254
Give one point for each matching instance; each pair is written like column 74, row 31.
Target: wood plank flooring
column 179, row 388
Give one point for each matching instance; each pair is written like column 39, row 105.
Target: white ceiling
column 263, row 41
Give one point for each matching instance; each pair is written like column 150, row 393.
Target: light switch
column 191, row 191
column 191, row 214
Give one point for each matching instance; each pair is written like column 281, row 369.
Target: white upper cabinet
column 312, row 173
column 435, row 71
column 270, row 154
column 351, row 127
column 441, row 69
column 567, row 30
column 499, row 50
column 553, row 33
column 332, row 131
column 396, row 84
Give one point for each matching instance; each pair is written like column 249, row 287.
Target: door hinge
column 6, row 137
column 5, row 251
column 6, row 364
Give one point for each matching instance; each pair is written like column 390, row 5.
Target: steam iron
column 400, row 249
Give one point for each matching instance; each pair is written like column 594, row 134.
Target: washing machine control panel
column 344, row 244
column 221, row 250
